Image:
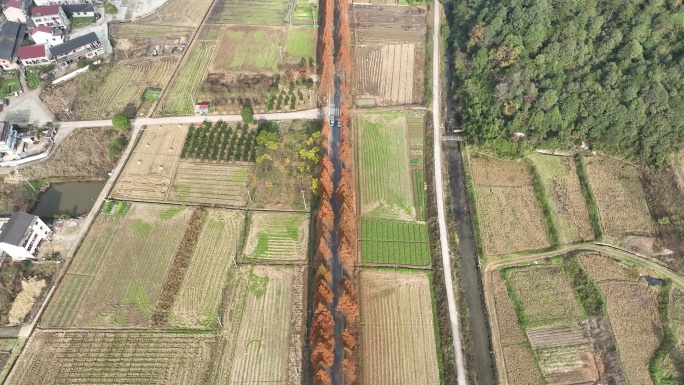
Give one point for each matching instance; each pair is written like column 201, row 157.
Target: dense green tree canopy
column 610, row 72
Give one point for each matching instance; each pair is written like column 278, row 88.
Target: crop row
column 394, row 242
column 220, row 143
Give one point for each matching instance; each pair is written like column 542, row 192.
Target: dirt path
column 441, row 216
column 491, row 267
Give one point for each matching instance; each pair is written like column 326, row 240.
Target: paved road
column 314, row 113
column 441, row 217
column 492, row 267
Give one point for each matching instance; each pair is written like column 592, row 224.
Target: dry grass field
column 262, row 334
column 178, row 13
column 633, row 313
column 384, row 177
column 520, row 366
column 509, row 329
column 562, row 186
column 277, row 236
column 152, row 165
column 397, row 331
column 601, row 268
column 117, row 274
column 510, row 215
column 620, row 197
column 113, row 358
column 212, row 183
column 545, row 294
column 201, row 292
column 389, row 54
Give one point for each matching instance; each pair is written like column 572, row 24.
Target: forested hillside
column 610, row 72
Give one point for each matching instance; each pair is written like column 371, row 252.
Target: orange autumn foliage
column 326, row 165
column 348, row 340
column 347, row 224
column 346, row 254
column 322, row 378
column 323, row 293
column 344, row 188
column 349, row 369
column 325, row 216
column 347, row 286
column 322, row 327
column 323, row 253
column 322, row 356
column 345, row 154
column 348, row 307
column 325, row 185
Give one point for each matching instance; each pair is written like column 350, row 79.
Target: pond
column 72, row 198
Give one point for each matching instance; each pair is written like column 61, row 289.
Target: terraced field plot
column 633, row 313
column 277, row 236
column 134, row 31
column 213, row 183
column 385, row 182
column 619, row 196
column 259, row 12
column 395, row 243
column 183, row 91
column 106, row 358
column 397, row 314
column 261, row 339
column 509, row 212
column 124, row 87
column 117, row 275
column 562, row 186
column 152, row 165
column 545, row 295
column 201, row 293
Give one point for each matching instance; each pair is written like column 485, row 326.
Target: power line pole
column 303, row 199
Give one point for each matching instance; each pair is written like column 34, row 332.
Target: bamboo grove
column 335, row 228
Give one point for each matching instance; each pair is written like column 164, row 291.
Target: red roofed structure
column 32, row 55
column 49, row 15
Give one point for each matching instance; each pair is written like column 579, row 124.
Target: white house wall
column 16, row 252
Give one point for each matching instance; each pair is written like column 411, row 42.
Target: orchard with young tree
column 607, row 72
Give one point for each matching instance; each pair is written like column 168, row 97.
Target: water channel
column 71, row 198
column 480, row 356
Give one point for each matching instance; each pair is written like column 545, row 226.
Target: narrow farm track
column 441, row 216
column 491, row 268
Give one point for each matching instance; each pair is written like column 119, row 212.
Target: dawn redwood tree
column 322, row 328
column 325, row 184
column 344, row 188
column 322, row 378
column 348, row 340
column 345, row 154
column 347, row 306
column 323, row 294
column 325, row 216
column 326, row 165
column 349, row 369
column 346, row 254
column 323, row 253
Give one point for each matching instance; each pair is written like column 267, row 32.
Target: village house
column 34, row 55
column 11, row 37
column 43, row 34
column 79, row 10
column 79, row 48
column 50, row 15
column 8, row 139
column 21, row 236
column 15, row 10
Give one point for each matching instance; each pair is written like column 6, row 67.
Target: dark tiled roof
column 14, row 230
column 73, row 8
column 11, row 37
column 74, row 43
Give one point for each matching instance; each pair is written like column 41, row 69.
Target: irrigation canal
column 478, row 348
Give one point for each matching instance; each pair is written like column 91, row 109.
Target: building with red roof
column 43, row 34
column 15, row 10
column 50, row 16
column 34, row 55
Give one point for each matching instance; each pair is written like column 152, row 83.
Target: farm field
column 182, row 93
column 635, row 321
column 152, row 165
column 416, row 128
column 545, row 295
column 620, row 197
column 568, row 205
column 118, row 273
column 601, row 268
column 389, row 49
column 263, row 328
column 277, row 236
column 385, row 181
column 155, row 172
column 113, row 357
column 248, row 48
column 134, row 40
column 395, row 243
column 397, row 314
column 510, row 216
column 201, row 292
column 211, row 183
column 124, row 86
column 178, row 13
column 260, row 12
column 220, row 142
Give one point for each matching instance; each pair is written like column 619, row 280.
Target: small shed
column 201, row 108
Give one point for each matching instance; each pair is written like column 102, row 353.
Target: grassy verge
column 588, row 295
column 658, row 374
column 77, row 22
column 539, row 191
column 447, row 372
column 589, row 197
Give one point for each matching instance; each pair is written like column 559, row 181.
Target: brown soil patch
column 601, row 268
column 520, row 366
